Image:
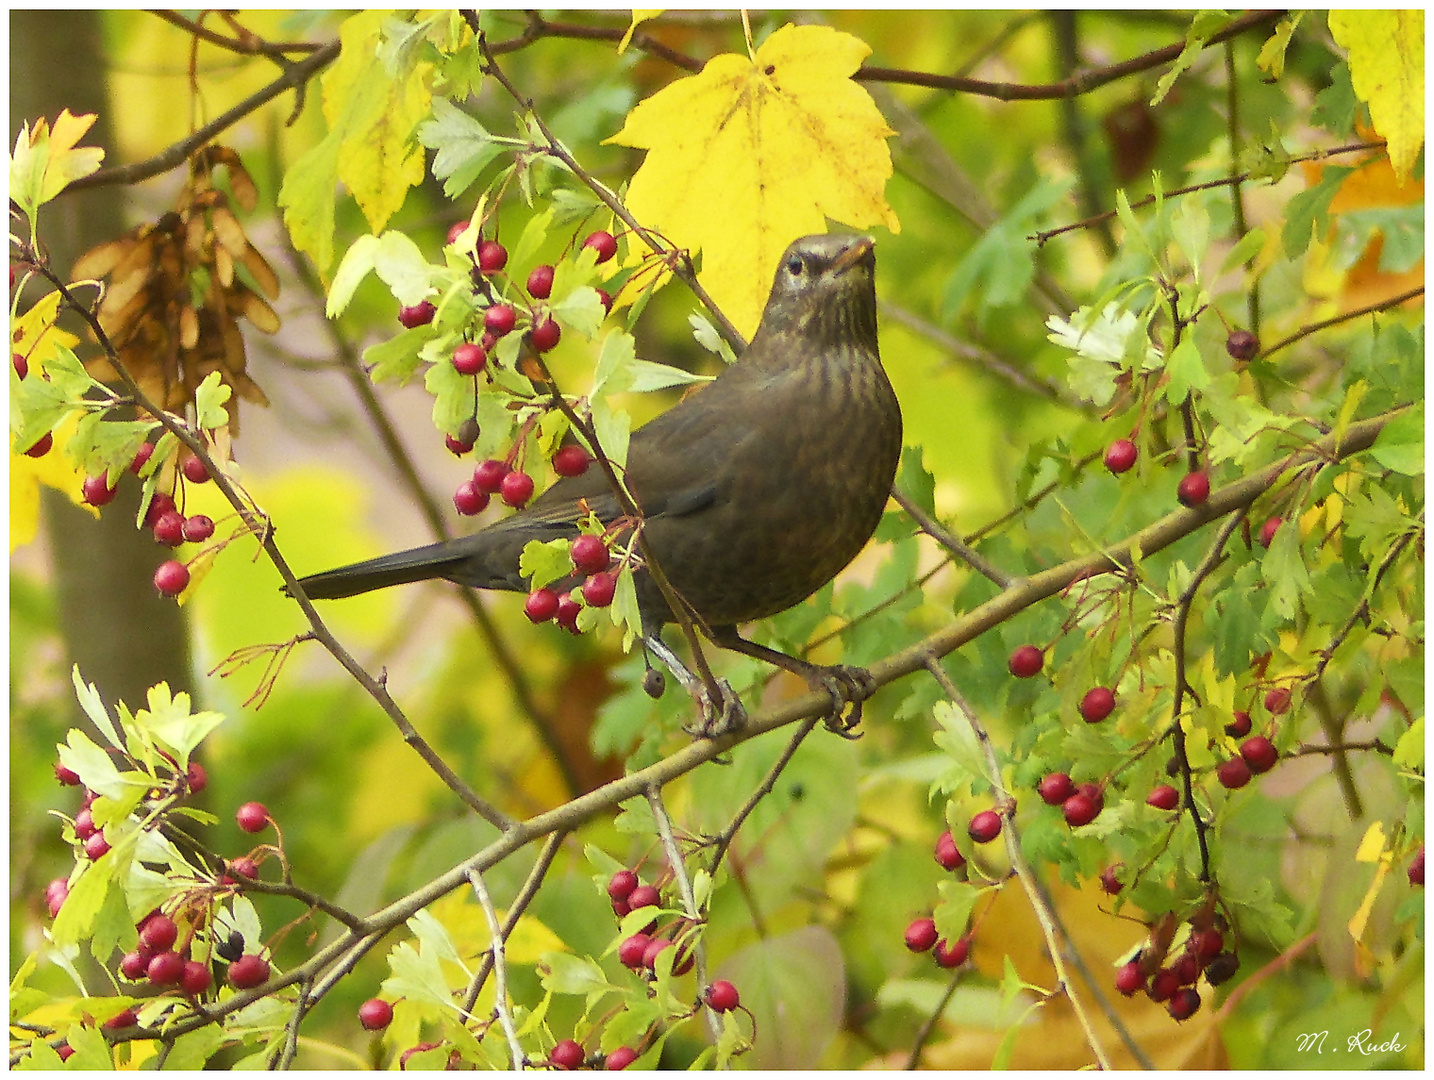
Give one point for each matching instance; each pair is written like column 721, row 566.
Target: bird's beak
column 859, row 248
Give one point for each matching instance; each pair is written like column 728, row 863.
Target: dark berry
column 516, row 488
column 1268, row 530
column 375, row 1014
column 1221, row 968
column 985, row 826
column 122, row 1019
column 456, row 446
column 632, row 950
column 1056, row 788
column 66, row 775
column 1129, row 979
column 570, row 460
column 1207, row 944
column 947, row 854
column 1239, row 725
column 198, row 528
column 1259, row 754
column 590, row 555
column 540, row 282
column 172, row 578
column 566, row 1055
column 599, row 590
column 1120, row 456
column 620, row 1058
column 621, row 884
column 1109, row 883
column 165, row 969
column 1026, row 661
column 195, row 471
column 1164, row 797
column 169, row 529
column 921, row 935
column 546, row 335
column 1416, row 868
column 1242, row 345
column 42, row 446
column 492, row 256
column 644, row 896
column 1277, row 699
column 1097, row 704
column 722, row 996
column 603, row 243
column 419, row 314
column 248, row 971
column 96, row 490
column 252, row 817
column 1233, row 773
column 1079, row 810
column 951, row 954
column 1163, row 984
column 488, row 476
column 196, row 978
column 1184, row 1004
column 469, row 500
column 141, row 457
column 541, row 605
column 607, row 299
column 500, row 319
column 1194, row 488
column 22, row 366
column 469, row 359
column 159, row 933
column 96, row 846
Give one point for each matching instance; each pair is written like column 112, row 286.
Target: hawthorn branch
column 1325, row 324
column 245, row 43
column 500, row 969
column 951, row 542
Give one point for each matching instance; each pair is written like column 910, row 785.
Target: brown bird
column 755, row 491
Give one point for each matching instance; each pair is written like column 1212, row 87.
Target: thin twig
column 769, row 782
column 252, row 45
column 1312, row 328
column 951, row 542
column 913, row 1059
column 500, row 969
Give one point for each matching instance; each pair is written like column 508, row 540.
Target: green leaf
column 209, row 400
column 1271, row 59
column 1400, row 443
column 1283, row 569
column 565, row 973
column 307, row 198
column 1250, row 245
column 454, row 398
column 967, row 767
column 1205, row 26
column 397, row 358
column 545, row 562
column 1307, row 214
column 402, row 267
column 1186, row 369
column 953, row 912
column 580, row 310
column 356, row 263
column 171, row 722
column 1190, row 227
column 1409, row 750
column 707, row 336
column 613, row 429
column 416, row 975
column 465, row 147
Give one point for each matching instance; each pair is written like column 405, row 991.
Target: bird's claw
column 848, row 687
column 718, row 718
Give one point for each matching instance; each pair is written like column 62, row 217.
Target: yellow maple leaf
column 751, row 153
column 1386, row 66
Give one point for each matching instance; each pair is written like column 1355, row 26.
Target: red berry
column 946, row 853
column 135, row 965
column 570, row 460
column 567, row 616
column 55, row 894
column 620, row 1058
column 722, row 996
column 141, row 457
column 244, row 867
column 1277, row 699
column 1187, row 969
column 599, row 590
column 456, row 230
column 1194, row 488
column 469, row 359
column 541, row 605
column 952, row 954
column 1184, row 1004
column 248, row 971
column 85, row 824
column 540, row 282
column 607, row 299
column 172, row 578
column 161, row 504
column 96, row 490
column 196, row 978
column 1207, row 944
column 1239, row 725
column 488, row 476
column 159, row 933
column 1109, row 882
column 96, row 846
column 921, row 935
column 1163, row 984
column 165, row 969
column 469, row 500
column 1093, row 793
column 500, row 319
column 122, row 1019
column 604, row 243
column 1233, row 773
column 1120, row 456
column 65, row 1051
column 1268, row 530
column 252, row 817
column 1079, row 809
column 654, row 946
column 516, row 488
column 621, row 884
column 1242, row 345
column 644, row 896
column 375, row 1014
column 66, row 775
column 632, row 950
column 546, row 335
column 195, row 471
column 198, row 528
column 1026, row 661
column 456, row 446
column 1259, row 754
column 22, row 366
column 492, row 256
column 169, row 529
column 1055, row 788
column 419, row 314
column 566, row 1055
column 42, row 446
column 1164, row 797
column 590, row 555
column 1129, row 979
column 1416, row 868
column 985, row 826
column 1097, row 704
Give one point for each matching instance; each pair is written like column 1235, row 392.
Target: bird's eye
column 795, row 266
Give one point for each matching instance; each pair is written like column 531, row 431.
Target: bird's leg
column 718, row 718
column 848, row 686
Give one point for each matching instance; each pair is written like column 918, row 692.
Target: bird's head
column 825, row 291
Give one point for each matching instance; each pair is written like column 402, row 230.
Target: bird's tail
column 400, row 568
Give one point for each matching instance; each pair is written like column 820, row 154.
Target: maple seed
column 469, row 359
column 541, row 605
column 1120, row 456
column 516, row 488
column 97, row 490
column 1194, row 488
column 599, row 590
column 921, row 935
column 604, row 243
column 415, row 315
column 985, row 826
column 1259, row 754
column 722, row 996
column 492, row 256
column 952, row 954
column 947, row 856
column 1268, row 530
column 1164, row 797
column 1277, row 699
column 1026, row 661
column 540, row 282
column 1239, row 725
column 252, row 817
column 1056, row 788
column 500, row 319
column 590, row 555
column 469, row 500
column 1080, row 809
column 42, row 446
column 375, row 1014
column 545, row 335
column 1233, row 773
column 1097, row 704
column 620, row 1059
column 248, row 971
column 172, row 578
column 1242, row 345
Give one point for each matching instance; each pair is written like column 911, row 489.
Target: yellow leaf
column 66, row 161
column 751, row 153
column 27, row 474
column 1371, row 847
column 639, row 15
column 1386, row 65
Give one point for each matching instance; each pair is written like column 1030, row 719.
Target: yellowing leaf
column 1386, row 65
column 68, row 162
column 750, row 154
column 27, row 474
column 639, row 15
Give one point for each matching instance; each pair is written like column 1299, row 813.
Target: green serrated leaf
column 1249, row 245
column 465, row 147
column 1400, row 443
column 417, row 975
column 454, row 397
column 353, row 267
column 1186, row 371
column 209, row 401
column 402, row 267
column 565, row 973
column 546, row 561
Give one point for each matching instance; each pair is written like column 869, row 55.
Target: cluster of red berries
column 921, row 933
column 639, row 951
column 593, row 561
column 1080, row 803
column 1174, row 981
column 568, row 1054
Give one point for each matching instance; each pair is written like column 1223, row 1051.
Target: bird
column 754, row 491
